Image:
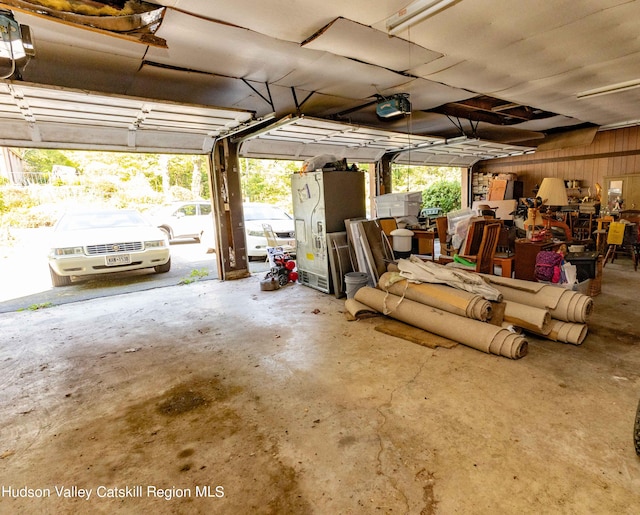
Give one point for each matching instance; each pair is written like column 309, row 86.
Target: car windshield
column 266, row 212
column 100, row 220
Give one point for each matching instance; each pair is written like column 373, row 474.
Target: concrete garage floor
column 279, row 405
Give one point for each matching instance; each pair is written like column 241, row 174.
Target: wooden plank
column 414, row 334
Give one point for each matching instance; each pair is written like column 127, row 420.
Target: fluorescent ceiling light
column 620, row 125
column 457, row 139
column 608, row 90
column 415, row 13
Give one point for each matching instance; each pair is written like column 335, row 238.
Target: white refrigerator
column 322, row 201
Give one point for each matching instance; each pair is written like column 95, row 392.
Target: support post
column 384, row 174
column 226, row 192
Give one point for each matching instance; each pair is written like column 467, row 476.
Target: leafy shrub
column 178, row 193
column 444, row 194
column 30, row 218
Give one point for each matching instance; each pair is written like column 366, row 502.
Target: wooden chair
column 387, row 225
column 441, row 227
column 484, row 258
column 471, row 246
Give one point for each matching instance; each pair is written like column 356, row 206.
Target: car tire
column 163, row 269
column 636, row 431
column 59, row 280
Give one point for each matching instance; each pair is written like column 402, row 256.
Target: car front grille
column 285, row 234
column 112, row 248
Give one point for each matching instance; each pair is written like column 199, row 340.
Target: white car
column 105, row 241
column 256, row 215
column 185, row 220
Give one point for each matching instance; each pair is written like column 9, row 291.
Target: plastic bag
column 570, row 273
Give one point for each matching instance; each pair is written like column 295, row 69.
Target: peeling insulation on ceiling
column 90, row 8
column 514, row 77
column 135, row 19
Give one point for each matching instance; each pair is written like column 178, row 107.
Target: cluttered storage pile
column 488, row 313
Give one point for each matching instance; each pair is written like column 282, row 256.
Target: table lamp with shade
column 553, row 192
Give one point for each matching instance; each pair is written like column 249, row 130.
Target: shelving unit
column 481, row 186
column 583, row 226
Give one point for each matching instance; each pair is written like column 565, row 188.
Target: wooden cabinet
column 423, row 242
column 525, row 255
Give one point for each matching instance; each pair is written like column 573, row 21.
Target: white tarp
column 416, row 270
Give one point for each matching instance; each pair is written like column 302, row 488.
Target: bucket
column 402, row 242
column 354, row 281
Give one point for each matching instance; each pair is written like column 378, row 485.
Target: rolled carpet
column 562, row 303
column 488, row 338
column 439, row 296
column 357, row 309
column 527, row 317
column 566, row 332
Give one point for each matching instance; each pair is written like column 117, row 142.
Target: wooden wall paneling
column 634, row 140
column 618, row 141
column 565, row 171
column 589, row 175
column 627, row 139
column 589, row 164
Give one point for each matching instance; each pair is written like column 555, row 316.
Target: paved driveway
column 25, row 281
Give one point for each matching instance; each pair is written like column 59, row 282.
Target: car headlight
column 255, row 233
column 67, row 251
column 155, row 243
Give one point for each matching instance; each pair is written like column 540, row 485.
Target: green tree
column 444, row 194
column 419, row 178
column 181, row 168
column 121, row 165
column 440, row 185
column 268, row 180
column 37, row 160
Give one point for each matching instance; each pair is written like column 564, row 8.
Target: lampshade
column 553, row 192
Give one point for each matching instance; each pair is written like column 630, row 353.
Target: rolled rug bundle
column 573, row 307
column 527, row 317
column 566, row 332
column 563, row 304
column 488, row 338
column 439, row 296
column 357, row 309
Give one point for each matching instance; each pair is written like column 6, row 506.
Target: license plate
column 121, row 259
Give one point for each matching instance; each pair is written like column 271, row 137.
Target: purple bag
column 546, row 263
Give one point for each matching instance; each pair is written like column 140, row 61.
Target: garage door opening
column 441, row 186
column 38, row 185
